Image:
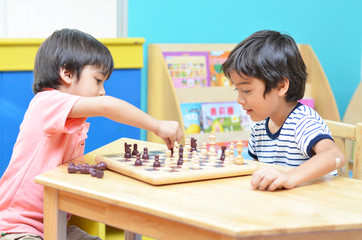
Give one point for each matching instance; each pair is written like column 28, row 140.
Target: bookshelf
column 353, row 113
column 164, row 99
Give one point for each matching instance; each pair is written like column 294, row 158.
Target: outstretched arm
column 323, row 162
column 124, row 112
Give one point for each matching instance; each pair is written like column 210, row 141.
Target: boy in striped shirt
column 270, row 75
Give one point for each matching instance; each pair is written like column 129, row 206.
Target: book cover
column 221, row 117
column 191, row 114
column 188, row 69
column 217, row 77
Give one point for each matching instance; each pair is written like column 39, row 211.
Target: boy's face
column 251, row 97
column 90, row 82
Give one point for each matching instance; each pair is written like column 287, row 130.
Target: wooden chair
column 341, row 133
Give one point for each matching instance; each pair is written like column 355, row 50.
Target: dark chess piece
column 145, row 153
column 222, row 156
column 193, row 144
column 180, row 161
column 156, row 163
column 138, row 161
column 72, row 168
column 135, row 151
column 99, row 174
column 127, row 150
column 101, row 166
column 181, row 151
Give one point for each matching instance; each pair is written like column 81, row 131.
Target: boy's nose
column 241, row 100
column 102, row 92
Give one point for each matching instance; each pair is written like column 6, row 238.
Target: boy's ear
column 283, row 87
column 65, row 75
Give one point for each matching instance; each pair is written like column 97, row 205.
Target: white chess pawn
column 212, row 138
column 227, row 157
column 187, row 143
column 185, row 158
column 239, row 158
column 176, row 155
column 168, row 161
column 212, row 158
column 204, row 150
column 231, row 154
column 195, row 162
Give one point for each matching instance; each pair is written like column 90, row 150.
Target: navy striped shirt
column 292, row 144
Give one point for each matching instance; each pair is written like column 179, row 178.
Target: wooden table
column 328, row 208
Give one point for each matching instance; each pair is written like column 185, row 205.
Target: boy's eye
column 243, row 91
column 98, row 81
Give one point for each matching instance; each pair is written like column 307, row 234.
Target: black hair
column 71, row 49
column 269, row 56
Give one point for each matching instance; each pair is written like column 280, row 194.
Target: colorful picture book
column 217, row 77
column 191, row 114
column 216, row 116
column 188, row 69
column 223, row 117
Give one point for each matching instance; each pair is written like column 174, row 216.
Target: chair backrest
column 342, row 133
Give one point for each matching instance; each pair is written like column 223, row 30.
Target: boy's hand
column 169, row 131
column 271, row 179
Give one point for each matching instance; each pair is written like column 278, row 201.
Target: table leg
column 131, row 236
column 55, row 221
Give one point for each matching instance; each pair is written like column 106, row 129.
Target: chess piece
column 127, row 150
column 187, row 142
column 176, row 145
column 195, row 162
column 227, row 158
column 222, row 156
column 181, row 150
column 180, row 161
column 212, row 158
column 212, row 138
column 101, row 166
column 72, row 168
column 99, row 174
column 193, row 144
column 135, row 150
column 231, row 155
column 168, row 162
column 138, row 161
column 239, row 158
column 185, row 158
column 176, row 153
column 204, row 150
column 157, row 163
column 145, row 155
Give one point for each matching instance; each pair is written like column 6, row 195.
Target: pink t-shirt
column 47, row 139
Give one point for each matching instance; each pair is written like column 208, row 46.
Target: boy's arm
column 124, row 112
column 323, row 162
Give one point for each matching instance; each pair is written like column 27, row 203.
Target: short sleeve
column 55, row 108
column 309, row 131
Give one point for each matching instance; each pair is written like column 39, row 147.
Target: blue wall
column 332, row 27
column 16, row 93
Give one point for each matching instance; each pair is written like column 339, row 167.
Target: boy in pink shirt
column 70, row 70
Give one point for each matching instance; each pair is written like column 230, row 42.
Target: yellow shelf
column 19, row 54
column 164, row 99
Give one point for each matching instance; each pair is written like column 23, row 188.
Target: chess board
column 174, row 173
